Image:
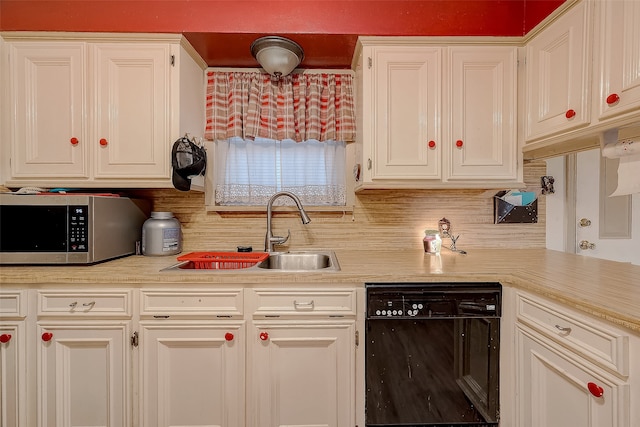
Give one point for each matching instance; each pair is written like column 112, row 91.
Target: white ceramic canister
column 161, row 235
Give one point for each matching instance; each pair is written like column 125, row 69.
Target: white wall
column 556, row 212
column 558, row 223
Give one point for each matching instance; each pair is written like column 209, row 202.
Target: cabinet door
column 483, row 141
column 301, row 374
column 83, row 374
column 192, row 374
column 406, row 103
column 132, row 105
column 558, row 75
column 13, row 372
column 619, row 57
column 49, row 137
column 554, row 388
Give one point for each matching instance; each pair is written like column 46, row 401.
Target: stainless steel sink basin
column 301, row 261
column 294, row 261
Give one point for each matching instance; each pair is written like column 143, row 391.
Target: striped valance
column 298, row 106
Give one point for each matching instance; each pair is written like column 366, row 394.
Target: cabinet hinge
column 369, row 164
column 134, row 339
column 370, row 62
column 173, row 60
column 357, row 338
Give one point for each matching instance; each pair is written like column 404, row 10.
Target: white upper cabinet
column 558, row 75
column 132, row 132
column 48, row 94
column 583, row 77
column 97, row 112
column 482, row 139
column 433, row 116
column 619, row 64
column 404, row 103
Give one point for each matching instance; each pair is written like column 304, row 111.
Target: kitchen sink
column 293, row 261
column 301, row 261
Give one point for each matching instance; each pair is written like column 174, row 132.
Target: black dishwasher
column 432, row 354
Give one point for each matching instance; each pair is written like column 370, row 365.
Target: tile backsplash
column 381, row 219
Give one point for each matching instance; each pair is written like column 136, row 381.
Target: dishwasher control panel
column 429, row 300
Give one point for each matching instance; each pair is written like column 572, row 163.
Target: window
column 272, row 135
column 249, row 172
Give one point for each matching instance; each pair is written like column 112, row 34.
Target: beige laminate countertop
column 605, row 289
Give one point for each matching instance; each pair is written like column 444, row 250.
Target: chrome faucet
column 270, row 240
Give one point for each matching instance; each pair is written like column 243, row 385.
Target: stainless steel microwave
column 69, row 229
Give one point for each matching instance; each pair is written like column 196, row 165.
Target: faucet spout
column 270, row 240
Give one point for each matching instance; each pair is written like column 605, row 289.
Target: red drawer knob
column 613, row 98
column 459, row 143
column 47, row 336
column 228, row 336
column 595, row 389
column 5, row 338
column 432, row 144
column 74, row 141
column 264, row 336
column 103, row 142
column 570, row 114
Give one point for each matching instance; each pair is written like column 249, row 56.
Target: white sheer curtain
column 249, row 172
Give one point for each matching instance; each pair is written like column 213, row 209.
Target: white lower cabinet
column 301, row 373
column 571, row 369
column 556, row 389
column 243, row 357
column 192, row 373
column 83, row 374
column 13, row 358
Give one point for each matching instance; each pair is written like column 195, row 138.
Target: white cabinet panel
column 554, row 388
column 192, row 374
column 483, row 139
column 406, row 103
column 619, row 63
column 13, row 370
column 558, row 95
column 83, row 374
column 48, row 83
column 302, row 374
column 132, row 110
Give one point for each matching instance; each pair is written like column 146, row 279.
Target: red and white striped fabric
column 298, row 107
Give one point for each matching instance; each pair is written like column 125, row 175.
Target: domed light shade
column 277, row 55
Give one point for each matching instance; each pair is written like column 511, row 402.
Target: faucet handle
column 278, row 240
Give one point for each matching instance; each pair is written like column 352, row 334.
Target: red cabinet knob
column 570, row 114
column 103, row 142
column 74, row 141
column 459, row 143
column 5, row 338
column 47, row 336
column 264, row 336
column 432, row 144
column 613, row 98
column 595, row 389
column 228, row 336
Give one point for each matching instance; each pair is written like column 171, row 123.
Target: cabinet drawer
column 219, row 303
column 594, row 340
column 13, row 304
column 85, row 304
column 329, row 302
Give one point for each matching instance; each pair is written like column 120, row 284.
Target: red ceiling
column 222, row 31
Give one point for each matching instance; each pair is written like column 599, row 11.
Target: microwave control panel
column 78, row 229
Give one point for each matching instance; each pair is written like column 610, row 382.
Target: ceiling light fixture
column 277, row 55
